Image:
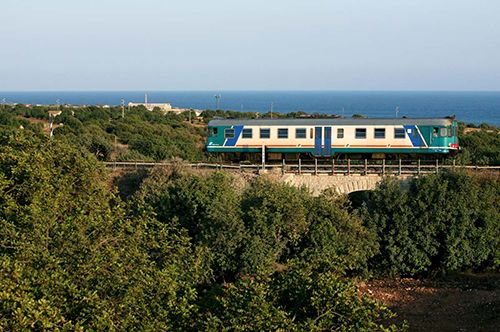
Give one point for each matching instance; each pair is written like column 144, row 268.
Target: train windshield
column 213, row 131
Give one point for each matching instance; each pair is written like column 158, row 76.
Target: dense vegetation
column 140, row 135
column 185, row 253
column 442, row 223
column 190, row 251
column 480, row 146
column 154, row 136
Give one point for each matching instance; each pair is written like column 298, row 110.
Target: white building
column 164, row 107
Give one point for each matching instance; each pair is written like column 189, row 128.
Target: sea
column 470, row 107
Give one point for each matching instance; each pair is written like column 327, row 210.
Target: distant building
column 163, row 107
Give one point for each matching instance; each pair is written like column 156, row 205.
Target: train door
column 318, row 141
column 327, row 149
column 322, row 141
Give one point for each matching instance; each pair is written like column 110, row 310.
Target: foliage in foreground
column 447, row 222
column 69, row 256
column 74, row 257
column 204, row 252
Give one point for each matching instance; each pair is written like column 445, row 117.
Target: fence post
column 333, row 166
column 437, row 166
column 315, row 166
column 418, row 166
column 283, row 167
column 263, row 157
column 454, row 163
column 366, row 167
column 383, row 166
column 300, row 166
column 399, row 166
column 348, row 166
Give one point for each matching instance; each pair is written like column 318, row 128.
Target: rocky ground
column 463, row 302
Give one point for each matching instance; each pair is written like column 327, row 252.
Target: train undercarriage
column 277, row 156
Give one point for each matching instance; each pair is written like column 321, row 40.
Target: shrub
column 446, row 222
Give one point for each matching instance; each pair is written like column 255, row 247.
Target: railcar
column 326, row 138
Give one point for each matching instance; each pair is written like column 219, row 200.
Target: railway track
column 344, row 167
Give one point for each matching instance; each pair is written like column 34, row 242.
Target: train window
column 282, row 132
column 360, row 133
column 399, row 133
column 311, row 133
column 379, row 133
column 246, row 133
column 229, row 133
column 300, row 133
column 213, row 131
column 265, row 133
column 340, row 133
column 443, row 132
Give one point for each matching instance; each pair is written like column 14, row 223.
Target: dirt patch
column 458, row 303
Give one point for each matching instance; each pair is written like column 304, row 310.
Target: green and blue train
column 332, row 137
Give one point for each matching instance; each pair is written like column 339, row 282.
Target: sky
column 249, row 45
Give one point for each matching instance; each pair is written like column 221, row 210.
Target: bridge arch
column 342, row 184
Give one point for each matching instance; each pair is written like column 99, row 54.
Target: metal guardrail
column 343, row 167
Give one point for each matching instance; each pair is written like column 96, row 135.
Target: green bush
column 71, row 259
column 206, row 207
column 480, row 147
column 446, row 222
column 297, row 300
column 336, row 239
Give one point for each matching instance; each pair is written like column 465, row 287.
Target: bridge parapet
column 344, row 178
column 340, row 183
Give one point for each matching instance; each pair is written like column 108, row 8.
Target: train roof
column 333, row 121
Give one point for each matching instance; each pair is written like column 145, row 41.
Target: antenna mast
column 217, row 101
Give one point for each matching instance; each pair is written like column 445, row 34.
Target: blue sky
column 250, row 45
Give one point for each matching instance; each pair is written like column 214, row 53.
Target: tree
column 207, row 207
column 323, row 301
column 445, row 222
column 336, row 239
column 275, row 216
column 71, row 258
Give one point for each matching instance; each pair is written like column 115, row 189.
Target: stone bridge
column 342, row 184
column 344, row 179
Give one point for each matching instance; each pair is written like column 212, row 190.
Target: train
column 373, row 138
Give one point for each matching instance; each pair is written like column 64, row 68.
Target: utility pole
column 397, row 111
column 123, row 108
column 217, row 101
column 272, row 105
column 51, row 120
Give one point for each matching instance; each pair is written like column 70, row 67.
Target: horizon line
column 249, row 90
